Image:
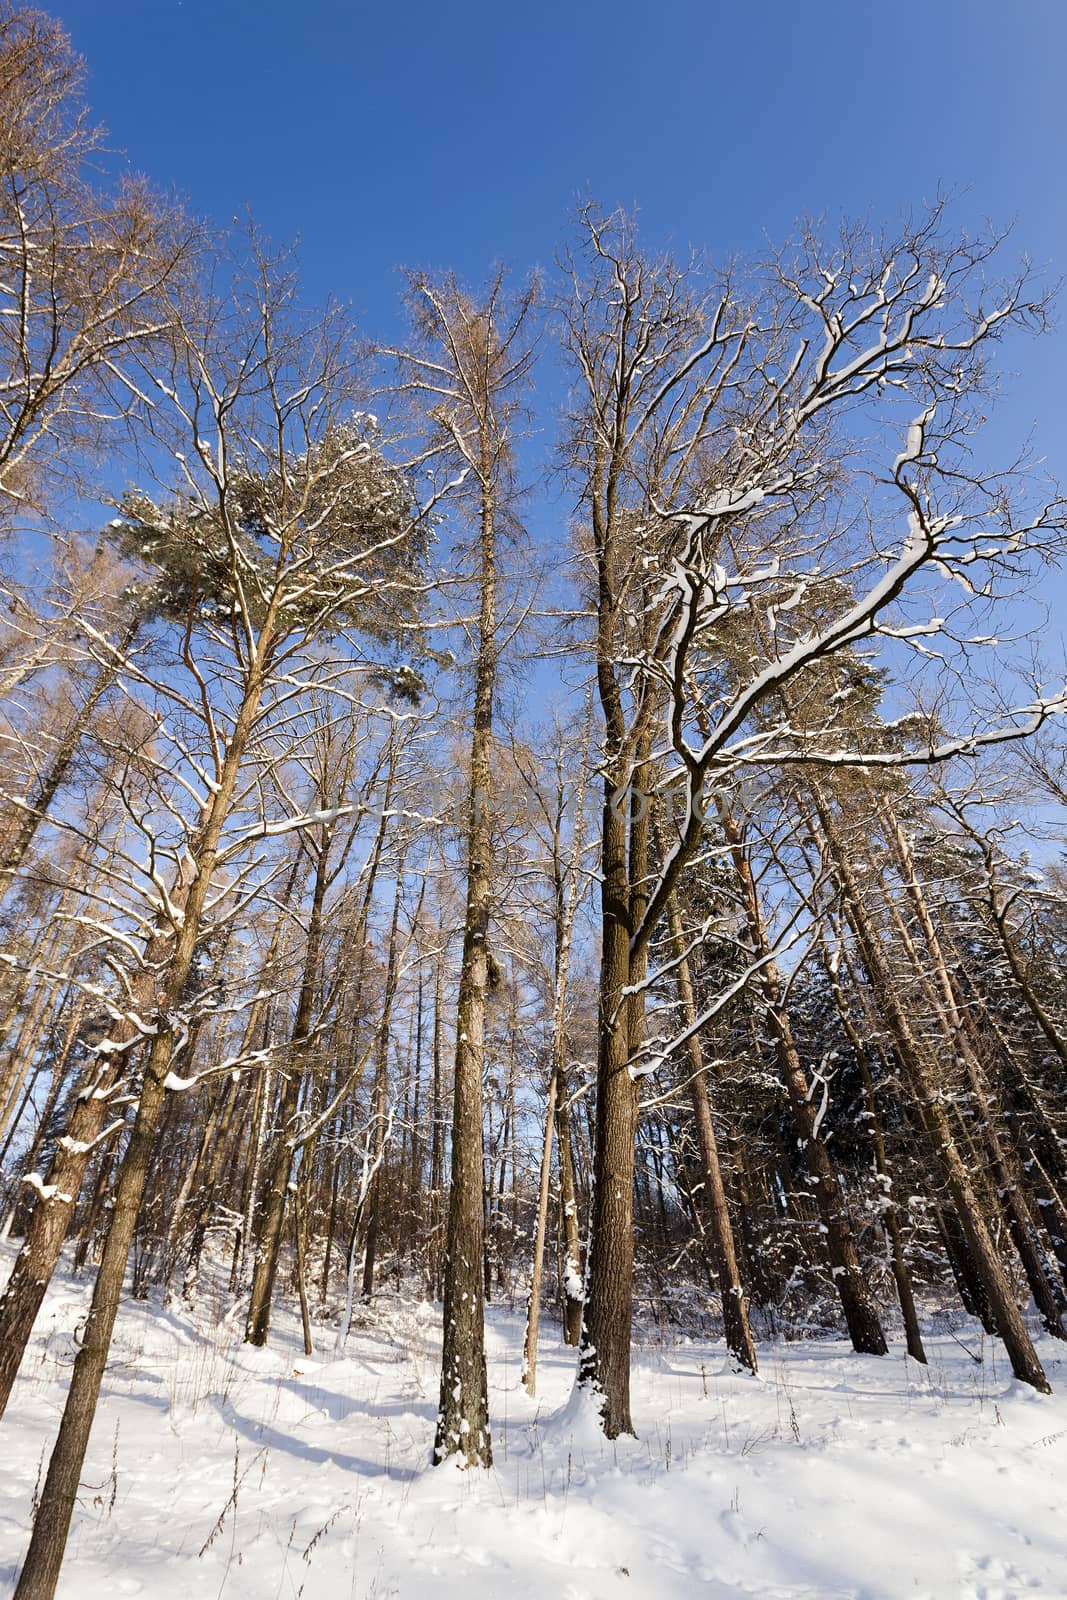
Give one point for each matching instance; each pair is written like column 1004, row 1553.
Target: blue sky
column 429, row 135
column 424, row 135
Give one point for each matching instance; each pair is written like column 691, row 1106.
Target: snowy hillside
column 216, row 1470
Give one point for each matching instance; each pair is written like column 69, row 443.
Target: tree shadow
column 274, row 1438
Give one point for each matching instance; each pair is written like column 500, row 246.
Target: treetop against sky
column 386, row 137
column 454, row 136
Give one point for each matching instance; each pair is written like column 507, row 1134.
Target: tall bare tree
column 470, row 368
column 296, row 538
column 713, row 452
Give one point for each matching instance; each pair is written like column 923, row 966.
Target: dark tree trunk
column 931, row 1106
column 720, row 1231
column 573, row 1296
column 269, row 1244
column 463, row 1412
column 604, row 1364
column 861, row 1317
column 375, row 1197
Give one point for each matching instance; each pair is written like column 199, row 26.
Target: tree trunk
column 52, row 1212
column 48, row 1110
column 573, row 1289
column 533, row 1309
column 34, row 809
column 735, row 1323
column 958, row 1029
column 475, row 358
column 604, row 1364
column 269, row 1244
column 1005, row 1312
column 381, row 1098
column 300, row 1230
column 861, row 1317
column 463, row 1413
column 890, row 1209
column 40, row 1573
column 437, row 1143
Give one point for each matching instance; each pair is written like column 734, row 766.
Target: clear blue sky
column 452, row 134
column 455, row 135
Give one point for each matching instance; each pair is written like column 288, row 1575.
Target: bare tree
column 566, row 876
column 470, row 368
column 86, row 273
column 719, row 475
column 293, row 526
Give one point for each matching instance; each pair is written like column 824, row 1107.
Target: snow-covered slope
column 216, row 1470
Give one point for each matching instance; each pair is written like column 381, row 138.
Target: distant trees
column 558, row 806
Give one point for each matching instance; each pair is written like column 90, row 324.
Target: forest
column 553, row 825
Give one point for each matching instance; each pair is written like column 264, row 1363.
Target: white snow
column 572, row 1281
column 47, row 1191
column 175, row 1081
column 830, row 1476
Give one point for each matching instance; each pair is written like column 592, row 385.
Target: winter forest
column 532, row 907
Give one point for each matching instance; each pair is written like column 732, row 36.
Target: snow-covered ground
column 219, row 1471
